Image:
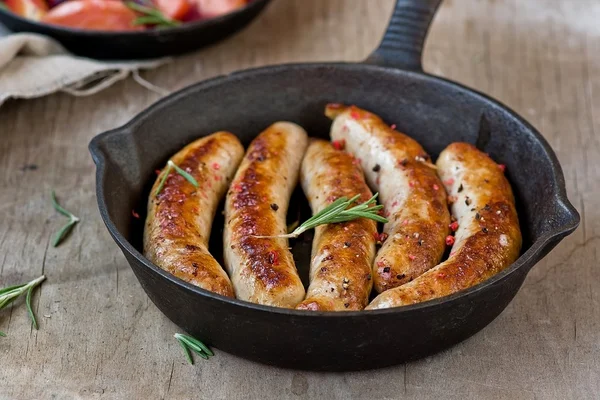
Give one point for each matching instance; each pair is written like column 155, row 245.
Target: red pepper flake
column 339, row 144
column 157, row 171
column 449, row 182
column 217, row 178
column 411, row 184
column 273, row 257
column 331, row 199
column 237, row 187
column 345, row 128
column 405, row 222
column 393, row 126
column 502, row 167
column 436, row 187
column 355, row 114
column 380, row 263
column 395, row 203
column 441, row 275
column 380, row 237
column 449, row 240
column 411, row 257
column 135, row 215
column 454, row 226
column 356, row 161
column 216, row 165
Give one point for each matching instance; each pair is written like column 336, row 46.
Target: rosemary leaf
column 152, row 15
column 185, row 174
column 29, row 309
column 64, row 231
column 189, row 343
column 186, row 350
column 336, row 212
column 58, row 207
column 2, row 334
column 10, row 288
column 10, row 294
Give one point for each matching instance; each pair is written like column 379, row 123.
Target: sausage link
column 342, row 254
column 262, row 270
column 415, row 202
column 488, row 238
column 179, row 218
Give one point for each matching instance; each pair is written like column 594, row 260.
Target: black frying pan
column 391, row 83
column 152, row 43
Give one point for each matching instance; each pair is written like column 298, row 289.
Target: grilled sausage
column 180, row 216
column 342, row 254
column 415, row 202
column 262, row 270
column 488, row 238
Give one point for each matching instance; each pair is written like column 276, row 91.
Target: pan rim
column 558, row 198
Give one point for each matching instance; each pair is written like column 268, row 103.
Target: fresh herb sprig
column 64, row 231
column 170, row 167
column 2, row 334
column 338, row 211
column 151, row 16
column 188, row 343
column 11, row 293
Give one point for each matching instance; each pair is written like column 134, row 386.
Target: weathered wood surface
column 100, row 336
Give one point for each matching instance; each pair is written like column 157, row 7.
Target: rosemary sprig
column 338, row 211
column 2, row 333
column 151, row 16
column 188, row 343
column 64, row 231
column 11, row 293
column 172, row 166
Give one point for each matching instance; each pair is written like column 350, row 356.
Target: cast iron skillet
column 391, row 83
column 140, row 44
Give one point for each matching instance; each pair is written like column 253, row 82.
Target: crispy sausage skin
column 262, row 270
column 180, row 217
column 488, row 238
column 415, row 201
column 342, row 254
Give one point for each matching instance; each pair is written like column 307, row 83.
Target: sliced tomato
column 175, row 9
column 30, row 9
column 214, row 8
column 99, row 15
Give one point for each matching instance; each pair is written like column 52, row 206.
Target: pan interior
column 434, row 112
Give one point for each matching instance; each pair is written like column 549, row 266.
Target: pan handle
column 402, row 44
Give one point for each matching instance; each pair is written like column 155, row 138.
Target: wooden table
column 100, row 336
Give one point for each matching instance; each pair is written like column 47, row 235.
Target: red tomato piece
column 215, row 8
column 98, row 15
column 30, row 9
column 175, row 9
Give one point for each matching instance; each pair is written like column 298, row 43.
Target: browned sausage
column 180, row 216
column 342, row 254
column 262, row 270
column 415, row 202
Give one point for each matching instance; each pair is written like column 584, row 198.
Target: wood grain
column 100, row 336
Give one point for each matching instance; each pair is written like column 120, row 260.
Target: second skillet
column 390, row 83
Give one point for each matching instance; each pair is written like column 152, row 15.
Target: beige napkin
column 33, row 65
